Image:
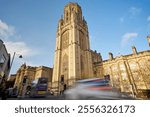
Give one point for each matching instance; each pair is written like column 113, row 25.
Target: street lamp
column 20, row 56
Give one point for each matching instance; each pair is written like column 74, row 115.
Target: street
column 49, row 97
column 62, row 97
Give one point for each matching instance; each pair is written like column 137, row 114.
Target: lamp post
column 8, row 72
column 20, row 56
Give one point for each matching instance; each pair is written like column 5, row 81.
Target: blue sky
column 29, row 27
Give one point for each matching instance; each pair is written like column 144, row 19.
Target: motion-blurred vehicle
column 94, row 88
column 9, row 92
column 39, row 87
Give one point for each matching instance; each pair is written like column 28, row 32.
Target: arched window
column 67, row 16
column 65, row 63
column 81, row 40
column 65, row 40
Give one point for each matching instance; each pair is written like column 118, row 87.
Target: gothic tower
column 72, row 59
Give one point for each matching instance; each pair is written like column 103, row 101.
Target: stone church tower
column 72, row 59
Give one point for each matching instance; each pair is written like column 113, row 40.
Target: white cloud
column 6, row 30
column 8, row 35
column 127, row 37
column 135, row 11
column 15, row 43
column 19, row 47
column 130, row 14
column 148, row 18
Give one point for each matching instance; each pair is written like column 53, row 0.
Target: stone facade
column 73, row 60
column 128, row 73
column 12, row 77
column 32, row 73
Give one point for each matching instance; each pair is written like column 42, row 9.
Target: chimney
column 148, row 38
column 110, row 56
column 134, row 51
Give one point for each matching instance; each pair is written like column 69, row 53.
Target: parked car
column 94, row 88
column 12, row 92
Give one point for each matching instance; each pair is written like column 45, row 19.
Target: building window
column 82, row 63
column 122, row 67
column 65, row 40
column 67, row 16
column 2, row 60
column 82, row 40
column 124, row 76
column 72, row 9
column 65, row 63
